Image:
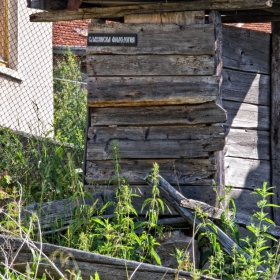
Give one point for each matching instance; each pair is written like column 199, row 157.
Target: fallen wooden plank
column 174, row 198
column 246, row 173
column 57, row 215
column 246, row 50
column 113, row 12
column 207, row 113
column 183, row 172
column 240, row 86
column 87, row 263
column 149, row 65
column 216, row 213
column 248, row 144
column 242, row 115
column 158, row 39
column 147, row 91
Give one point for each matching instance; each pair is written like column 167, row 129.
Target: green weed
column 70, row 101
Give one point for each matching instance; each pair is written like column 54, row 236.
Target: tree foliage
column 69, row 101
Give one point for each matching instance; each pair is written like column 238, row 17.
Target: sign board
column 112, row 39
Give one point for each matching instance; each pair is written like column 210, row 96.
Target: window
column 3, row 32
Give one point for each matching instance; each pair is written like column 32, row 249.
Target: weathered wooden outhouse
column 174, row 86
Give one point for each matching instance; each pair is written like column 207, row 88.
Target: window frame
column 5, row 44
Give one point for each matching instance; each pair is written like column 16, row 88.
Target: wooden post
column 275, row 118
column 215, row 18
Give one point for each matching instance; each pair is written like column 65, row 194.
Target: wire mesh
column 42, row 101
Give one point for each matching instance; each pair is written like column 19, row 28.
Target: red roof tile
column 264, row 27
column 70, row 33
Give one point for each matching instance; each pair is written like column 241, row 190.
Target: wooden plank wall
column 246, row 97
column 158, row 101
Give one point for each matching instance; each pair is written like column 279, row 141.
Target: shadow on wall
column 246, row 97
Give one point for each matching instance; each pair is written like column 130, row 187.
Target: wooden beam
column 155, row 90
column 216, row 213
column 87, row 263
column 215, row 19
column 156, row 142
column 207, row 113
column 185, row 172
column 121, row 11
column 275, row 120
column 180, row 18
column 275, row 9
column 176, row 200
column 156, row 38
column 150, row 65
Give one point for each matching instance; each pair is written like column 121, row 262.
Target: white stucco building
column 26, row 77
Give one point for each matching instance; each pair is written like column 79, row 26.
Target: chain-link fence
column 42, row 103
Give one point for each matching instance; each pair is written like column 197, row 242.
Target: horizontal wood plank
column 250, row 144
column 159, row 39
column 246, row 173
column 156, row 149
column 242, row 115
column 178, row 171
column 253, row 88
column 181, row 18
column 57, row 214
column 149, row 65
column 121, row 11
column 105, row 134
column 155, row 142
column 247, row 50
column 145, row 91
column 158, row 115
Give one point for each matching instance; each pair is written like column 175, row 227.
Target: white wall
column 26, row 88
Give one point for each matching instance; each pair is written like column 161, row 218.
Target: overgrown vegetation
column 39, row 169
column 69, row 101
column 262, row 260
column 41, row 166
column 121, row 235
column 124, row 235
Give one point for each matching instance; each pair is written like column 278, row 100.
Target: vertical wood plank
column 215, row 18
column 275, row 117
